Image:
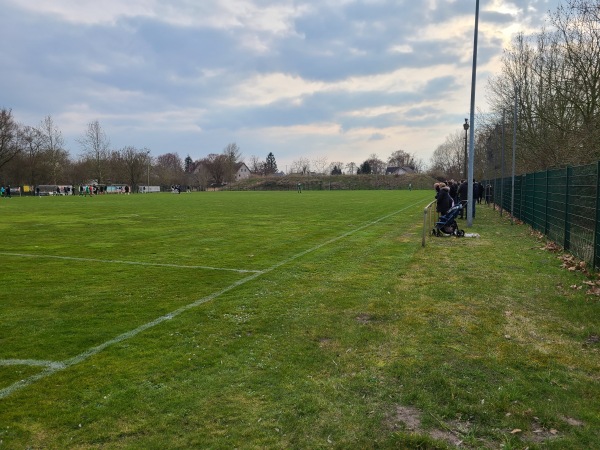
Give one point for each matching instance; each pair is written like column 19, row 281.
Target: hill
column 333, row 182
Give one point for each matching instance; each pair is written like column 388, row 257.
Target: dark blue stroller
column 446, row 224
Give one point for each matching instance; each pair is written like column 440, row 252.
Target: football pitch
column 95, row 287
column 285, row 320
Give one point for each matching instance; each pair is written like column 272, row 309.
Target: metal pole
column 470, row 203
column 466, row 127
column 493, row 202
column 514, row 151
column 502, row 163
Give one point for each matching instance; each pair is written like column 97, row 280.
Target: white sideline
column 53, row 367
column 132, row 263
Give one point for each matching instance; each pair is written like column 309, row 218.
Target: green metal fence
column 563, row 204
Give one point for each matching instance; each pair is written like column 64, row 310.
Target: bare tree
column 320, row 164
column 555, row 75
column 216, row 166
column 53, row 148
column 351, row 168
column 377, row 165
column 578, row 26
column 401, row 158
column 95, row 147
column 448, row 157
column 301, row 165
column 9, row 129
column 256, row 165
column 233, row 156
column 201, row 176
column 135, row 164
column 32, row 143
column 169, row 168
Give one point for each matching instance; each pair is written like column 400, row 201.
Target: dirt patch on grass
column 407, row 418
column 539, row 434
column 364, row 319
column 573, row 422
column 325, row 342
column 592, row 339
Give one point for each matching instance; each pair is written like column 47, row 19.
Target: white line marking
column 132, row 263
column 56, row 367
column 31, row 362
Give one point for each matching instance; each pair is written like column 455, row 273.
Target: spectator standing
column 444, row 201
column 489, row 192
column 463, row 196
column 453, row 185
column 475, row 195
column 480, row 190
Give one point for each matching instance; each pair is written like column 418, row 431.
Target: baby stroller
column 446, row 224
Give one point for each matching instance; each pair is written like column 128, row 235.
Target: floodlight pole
column 470, row 204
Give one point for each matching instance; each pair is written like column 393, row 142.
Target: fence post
column 425, row 224
column 523, row 193
column 596, row 230
column 567, row 236
column 546, row 228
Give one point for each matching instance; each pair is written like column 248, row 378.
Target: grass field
column 285, row 320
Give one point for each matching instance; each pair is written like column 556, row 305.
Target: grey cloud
column 49, row 65
column 377, row 137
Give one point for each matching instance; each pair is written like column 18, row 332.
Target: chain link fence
column 563, row 204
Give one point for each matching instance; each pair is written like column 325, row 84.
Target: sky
column 320, row 80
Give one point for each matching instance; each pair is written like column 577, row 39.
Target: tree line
column 553, row 78
column 36, row 155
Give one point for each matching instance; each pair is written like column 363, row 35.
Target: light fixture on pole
column 466, row 127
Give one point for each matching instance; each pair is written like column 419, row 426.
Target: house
column 241, row 172
column 217, row 171
column 399, row 170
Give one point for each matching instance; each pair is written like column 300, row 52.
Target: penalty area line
column 54, row 367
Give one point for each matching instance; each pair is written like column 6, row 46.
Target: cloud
column 346, row 77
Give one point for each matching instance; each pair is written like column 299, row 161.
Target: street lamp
column 466, row 127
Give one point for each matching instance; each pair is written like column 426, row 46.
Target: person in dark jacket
column 463, row 195
column 480, row 190
column 453, row 185
column 489, row 194
column 444, row 201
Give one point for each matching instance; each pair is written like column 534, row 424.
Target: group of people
column 88, row 190
column 451, row 193
column 5, row 191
